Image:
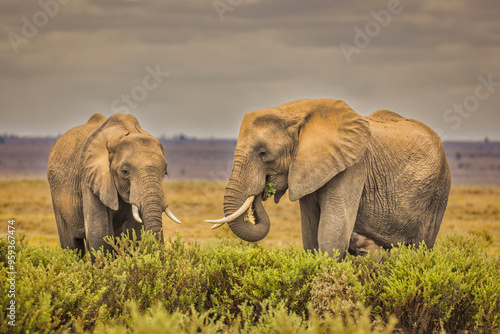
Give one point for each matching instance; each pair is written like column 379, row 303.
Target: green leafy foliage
column 269, row 191
column 234, row 287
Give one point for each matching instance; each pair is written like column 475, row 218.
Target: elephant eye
column 262, row 154
column 126, row 172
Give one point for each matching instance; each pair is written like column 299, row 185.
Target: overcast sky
column 196, row 67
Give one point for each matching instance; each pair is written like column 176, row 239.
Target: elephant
column 360, row 245
column 106, row 178
column 384, row 177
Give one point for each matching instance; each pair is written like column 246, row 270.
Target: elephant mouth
column 249, row 215
column 274, row 188
column 267, row 192
column 248, row 209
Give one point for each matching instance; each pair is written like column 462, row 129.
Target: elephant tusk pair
column 135, row 213
column 236, row 214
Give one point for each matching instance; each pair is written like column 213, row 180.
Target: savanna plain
column 208, row 281
column 471, row 209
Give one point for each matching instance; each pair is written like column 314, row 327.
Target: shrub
column 231, row 286
column 453, row 287
column 277, row 319
column 337, row 290
column 252, row 275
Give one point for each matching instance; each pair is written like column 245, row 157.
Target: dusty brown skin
column 97, row 172
column 362, row 246
column 384, row 177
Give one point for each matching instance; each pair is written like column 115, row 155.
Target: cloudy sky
column 196, row 67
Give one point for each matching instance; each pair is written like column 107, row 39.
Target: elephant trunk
column 152, row 200
column 152, row 216
column 244, row 229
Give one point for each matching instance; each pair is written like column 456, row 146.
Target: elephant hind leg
column 361, row 245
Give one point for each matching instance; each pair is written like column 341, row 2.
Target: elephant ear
column 96, row 172
column 331, row 138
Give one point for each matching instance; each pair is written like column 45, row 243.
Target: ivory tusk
column 216, row 226
column 171, row 216
column 236, row 214
column 135, row 213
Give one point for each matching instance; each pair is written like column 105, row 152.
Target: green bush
column 251, row 275
column 455, row 286
column 277, row 319
column 235, row 287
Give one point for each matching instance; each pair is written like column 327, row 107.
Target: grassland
column 470, row 209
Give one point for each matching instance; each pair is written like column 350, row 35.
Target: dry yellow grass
column 29, row 203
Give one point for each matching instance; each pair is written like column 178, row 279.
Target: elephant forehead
column 139, row 141
column 261, row 117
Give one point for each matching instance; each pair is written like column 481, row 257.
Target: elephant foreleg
column 98, row 222
column 339, row 202
column 309, row 212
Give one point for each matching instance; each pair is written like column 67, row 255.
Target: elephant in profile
column 106, row 177
column 384, row 177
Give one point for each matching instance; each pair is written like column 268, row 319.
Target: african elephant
column 384, row 176
column 105, row 177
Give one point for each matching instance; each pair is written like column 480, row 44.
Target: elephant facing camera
column 106, row 178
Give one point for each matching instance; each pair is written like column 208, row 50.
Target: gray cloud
column 263, row 53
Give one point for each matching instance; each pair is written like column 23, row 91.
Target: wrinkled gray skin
column 384, row 177
column 96, row 172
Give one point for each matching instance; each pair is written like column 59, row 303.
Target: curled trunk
column 242, row 228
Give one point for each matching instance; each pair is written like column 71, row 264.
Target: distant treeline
column 183, row 139
column 176, row 140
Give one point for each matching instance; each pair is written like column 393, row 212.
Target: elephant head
column 298, row 146
column 123, row 164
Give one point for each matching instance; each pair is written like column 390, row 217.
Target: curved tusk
column 135, row 213
column 216, row 226
column 171, row 216
column 236, row 214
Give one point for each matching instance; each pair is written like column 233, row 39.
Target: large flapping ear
column 96, row 172
column 331, row 138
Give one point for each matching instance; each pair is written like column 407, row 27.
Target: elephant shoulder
column 67, row 147
column 386, row 116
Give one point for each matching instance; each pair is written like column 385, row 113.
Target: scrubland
column 208, row 281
